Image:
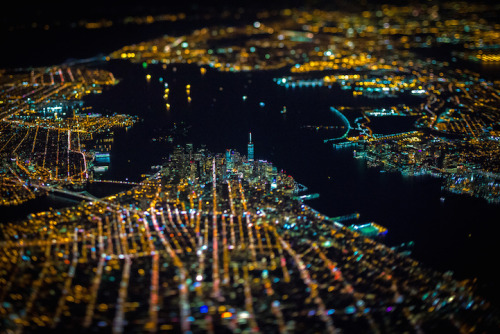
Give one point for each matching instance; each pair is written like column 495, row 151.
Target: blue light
column 204, row 309
column 350, row 309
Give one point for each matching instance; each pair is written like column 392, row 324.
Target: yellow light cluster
column 127, row 55
column 488, row 57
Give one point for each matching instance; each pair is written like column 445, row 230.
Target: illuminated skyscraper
column 189, row 148
column 229, row 162
column 250, row 149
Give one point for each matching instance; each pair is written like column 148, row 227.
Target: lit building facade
column 250, row 149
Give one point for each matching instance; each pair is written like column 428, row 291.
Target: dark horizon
column 23, row 12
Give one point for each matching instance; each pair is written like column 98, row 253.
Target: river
column 459, row 234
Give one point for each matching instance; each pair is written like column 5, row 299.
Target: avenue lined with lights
column 216, row 248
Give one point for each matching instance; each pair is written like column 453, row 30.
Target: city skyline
column 250, row 168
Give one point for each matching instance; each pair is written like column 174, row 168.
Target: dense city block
column 216, row 243
column 47, row 135
column 224, row 242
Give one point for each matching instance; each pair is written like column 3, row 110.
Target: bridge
column 346, row 122
column 84, row 195
column 400, row 135
column 119, row 182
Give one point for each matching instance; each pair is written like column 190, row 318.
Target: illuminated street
column 212, row 256
column 253, row 167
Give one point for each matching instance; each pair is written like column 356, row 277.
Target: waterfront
column 46, row 202
column 456, row 234
column 409, row 207
column 325, row 99
column 222, row 235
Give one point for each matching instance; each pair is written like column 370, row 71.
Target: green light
column 144, row 65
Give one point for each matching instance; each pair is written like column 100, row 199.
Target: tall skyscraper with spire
column 250, row 149
column 229, row 162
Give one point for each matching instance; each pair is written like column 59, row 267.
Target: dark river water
column 458, row 234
